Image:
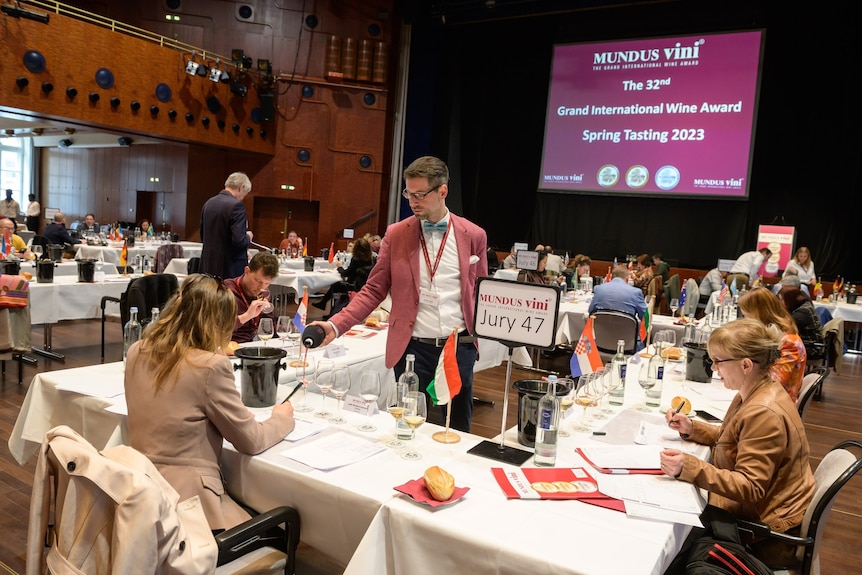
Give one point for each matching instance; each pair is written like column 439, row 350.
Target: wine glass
column 306, row 374
column 585, row 396
column 282, row 327
column 602, row 382
column 264, row 330
column 293, row 335
column 674, row 305
column 323, row 380
column 566, row 402
column 340, row 387
column 37, row 251
column 396, row 408
column 647, row 381
column 369, row 391
column 415, row 412
column 265, row 294
column 99, row 262
column 664, row 340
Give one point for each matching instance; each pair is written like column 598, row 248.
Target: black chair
column 612, row 325
column 194, row 266
column 145, row 293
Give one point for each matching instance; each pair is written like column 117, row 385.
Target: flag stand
column 447, row 436
column 502, row 452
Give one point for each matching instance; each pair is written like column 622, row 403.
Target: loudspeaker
column 267, row 107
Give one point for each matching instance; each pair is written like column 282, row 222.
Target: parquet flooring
column 837, row 417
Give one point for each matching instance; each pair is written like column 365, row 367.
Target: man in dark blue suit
column 224, row 229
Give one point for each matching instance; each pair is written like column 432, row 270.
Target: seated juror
column 759, row 467
column 56, row 232
column 618, row 294
column 19, row 246
column 251, row 293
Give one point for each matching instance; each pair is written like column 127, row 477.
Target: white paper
column 304, row 429
column 333, row 451
column 624, row 456
column 658, row 491
column 634, row 509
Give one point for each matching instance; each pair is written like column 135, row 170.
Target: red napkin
column 416, row 489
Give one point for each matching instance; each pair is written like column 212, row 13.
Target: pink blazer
column 397, row 271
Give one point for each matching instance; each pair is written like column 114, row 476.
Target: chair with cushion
column 194, row 265
column 692, row 298
column 113, row 512
column 672, row 289
column 610, row 326
column 145, row 293
column 164, row 254
column 835, row 470
column 811, row 385
column 15, row 328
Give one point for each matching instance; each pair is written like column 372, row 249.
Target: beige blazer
column 183, row 427
column 114, row 514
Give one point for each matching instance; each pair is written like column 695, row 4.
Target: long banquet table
column 111, row 253
column 353, row 514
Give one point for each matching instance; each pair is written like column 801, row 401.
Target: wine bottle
column 411, row 380
column 548, row 419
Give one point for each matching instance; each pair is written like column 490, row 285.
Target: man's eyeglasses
column 407, row 194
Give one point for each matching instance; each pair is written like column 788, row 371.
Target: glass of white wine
column 415, row 413
column 264, row 330
column 566, row 402
column 395, row 407
column 340, row 387
column 586, row 395
column 369, row 391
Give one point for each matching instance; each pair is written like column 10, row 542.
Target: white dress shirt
column 439, row 320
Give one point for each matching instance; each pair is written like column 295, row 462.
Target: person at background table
column 291, row 245
column 804, row 315
column 354, row 276
column 554, row 267
column 759, row 468
column 56, row 232
column 493, row 260
column 789, row 368
column 19, row 246
column 510, row 262
column 350, row 245
column 642, row 273
column 183, row 401
column 89, row 225
column 746, row 268
column 146, row 228
column 224, row 229
column 429, row 265
column 618, row 294
column 790, row 279
column 536, row 276
column 248, row 291
column 803, row 266
column 581, row 266
column 711, row 283
column 34, row 214
column 661, row 268
column 9, row 207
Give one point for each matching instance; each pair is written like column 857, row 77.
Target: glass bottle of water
column 547, row 422
column 154, row 314
column 411, row 380
column 131, row 332
column 655, row 368
column 617, row 391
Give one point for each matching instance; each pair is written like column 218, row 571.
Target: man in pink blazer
column 429, row 264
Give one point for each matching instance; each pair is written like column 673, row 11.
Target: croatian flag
column 447, row 379
column 586, row 358
column 301, row 311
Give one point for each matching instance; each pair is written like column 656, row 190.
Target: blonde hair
column 748, row 338
column 762, row 304
column 200, row 316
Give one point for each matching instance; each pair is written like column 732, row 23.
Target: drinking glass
column 264, row 330
column 340, row 387
column 396, row 407
column 305, row 374
column 646, row 379
column 602, row 382
column 415, row 412
column 323, row 380
column 566, row 402
column 37, row 251
column 369, row 391
column 585, row 396
column 664, row 339
column 674, row 305
column 282, row 327
column 293, row 335
column 264, row 294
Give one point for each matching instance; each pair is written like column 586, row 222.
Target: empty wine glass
column 647, row 380
column 396, row 408
column 323, row 380
column 264, row 330
column 674, row 305
column 340, row 387
column 293, row 335
column 369, row 391
column 282, row 327
column 306, row 374
column 37, row 251
column 664, row 340
column 415, row 413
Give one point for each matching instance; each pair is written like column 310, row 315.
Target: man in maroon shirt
column 251, row 291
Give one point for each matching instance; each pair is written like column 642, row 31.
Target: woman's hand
column 678, row 421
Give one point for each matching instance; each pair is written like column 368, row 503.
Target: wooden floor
column 837, row 417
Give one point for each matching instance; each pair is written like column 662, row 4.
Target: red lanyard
column 432, row 271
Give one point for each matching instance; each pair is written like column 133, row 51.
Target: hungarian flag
column 332, row 252
column 586, row 358
column 124, row 255
column 645, row 325
column 447, row 379
column 301, row 311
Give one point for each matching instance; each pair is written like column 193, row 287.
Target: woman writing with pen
column 759, row 466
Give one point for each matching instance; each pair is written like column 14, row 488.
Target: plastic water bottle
column 617, row 391
column 548, row 420
column 131, row 332
column 411, row 380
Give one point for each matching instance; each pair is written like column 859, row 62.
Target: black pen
column 295, row 389
column 680, row 406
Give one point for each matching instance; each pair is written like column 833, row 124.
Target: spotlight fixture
column 71, row 92
column 65, row 143
column 238, row 88
column 22, row 81
column 94, row 97
column 47, row 87
column 154, row 110
column 69, row 131
column 38, row 131
column 172, row 114
column 202, row 71
column 115, row 102
column 124, row 141
column 216, row 75
column 264, row 66
column 191, row 65
column 190, row 117
column 135, row 105
column 236, row 55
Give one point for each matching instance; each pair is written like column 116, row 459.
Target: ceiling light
column 239, row 88
column 191, row 65
column 65, row 143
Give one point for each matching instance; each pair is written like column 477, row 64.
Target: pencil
column 295, row 389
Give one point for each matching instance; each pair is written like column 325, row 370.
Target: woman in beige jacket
column 183, row 402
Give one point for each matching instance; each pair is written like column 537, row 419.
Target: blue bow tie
column 438, row 227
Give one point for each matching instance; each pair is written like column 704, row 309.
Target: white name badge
column 428, row 297
column 355, row 404
column 334, row 350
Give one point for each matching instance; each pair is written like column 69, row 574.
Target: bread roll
column 372, row 322
column 232, row 347
column 676, row 401
column 671, row 353
column 440, row 483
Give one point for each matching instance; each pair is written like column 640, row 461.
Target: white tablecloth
column 847, row 312
column 111, row 254
column 66, row 298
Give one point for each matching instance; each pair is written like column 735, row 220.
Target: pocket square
column 474, row 260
